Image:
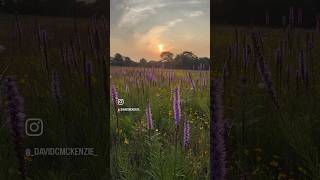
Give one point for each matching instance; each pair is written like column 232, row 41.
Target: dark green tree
column 166, row 56
column 117, row 60
column 143, row 61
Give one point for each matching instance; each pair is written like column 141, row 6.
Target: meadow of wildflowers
column 53, row 69
column 270, row 80
column 168, row 138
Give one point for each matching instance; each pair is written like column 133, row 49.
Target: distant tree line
column 255, row 11
column 185, row 60
column 54, row 7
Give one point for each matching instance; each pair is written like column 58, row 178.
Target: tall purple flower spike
column 176, row 106
column 217, row 134
column 114, row 95
column 16, row 118
column 186, row 133
column 55, row 87
column 149, row 116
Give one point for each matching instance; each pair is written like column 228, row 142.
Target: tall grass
column 270, row 99
column 177, row 145
column 45, row 56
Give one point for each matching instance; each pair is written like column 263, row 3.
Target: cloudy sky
column 144, row 28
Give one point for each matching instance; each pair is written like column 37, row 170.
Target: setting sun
column 160, row 47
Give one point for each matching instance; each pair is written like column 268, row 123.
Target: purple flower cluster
column 149, row 116
column 55, row 87
column 186, row 133
column 114, row 95
column 176, row 106
column 217, row 134
column 16, row 118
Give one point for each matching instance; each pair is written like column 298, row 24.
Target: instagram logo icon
column 34, row 127
column 120, row 102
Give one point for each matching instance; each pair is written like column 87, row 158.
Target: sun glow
column 160, row 48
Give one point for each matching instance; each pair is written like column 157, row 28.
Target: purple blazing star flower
column 55, row 87
column 186, row 133
column 176, row 106
column 217, row 134
column 114, row 95
column 149, row 116
column 16, row 118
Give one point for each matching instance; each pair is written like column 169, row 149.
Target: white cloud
column 196, row 14
column 136, row 11
column 136, row 15
column 174, row 22
column 139, row 26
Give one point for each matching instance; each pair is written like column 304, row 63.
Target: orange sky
column 140, row 27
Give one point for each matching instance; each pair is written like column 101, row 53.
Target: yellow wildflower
column 126, row 141
column 274, row 163
column 119, row 131
column 28, row 158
